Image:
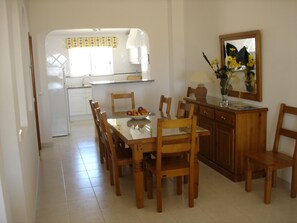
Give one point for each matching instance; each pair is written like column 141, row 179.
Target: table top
column 145, row 128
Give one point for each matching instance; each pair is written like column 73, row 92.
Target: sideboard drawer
column 225, row 117
column 207, row 112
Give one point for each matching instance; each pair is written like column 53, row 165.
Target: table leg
column 138, row 175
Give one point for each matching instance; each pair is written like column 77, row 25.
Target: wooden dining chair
column 191, row 91
column 117, row 157
column 165, row 100
column 94, row 105
column 273, row 160
column 123, row 97
column 185, row 110
column 163, row 166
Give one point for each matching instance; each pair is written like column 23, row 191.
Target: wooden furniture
column 191, row 91
column 117, row 156
column 185, row 110
column 234, row 131
column 165, row 100
column 142, row 141
column 123, row 97
column 173, row 166
column 273, row 160
column 253, row 86
column 94, row 105
column 198, row 92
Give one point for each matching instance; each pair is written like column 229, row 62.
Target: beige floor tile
column 74, row 187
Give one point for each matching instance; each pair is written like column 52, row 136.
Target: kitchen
column 72, row 69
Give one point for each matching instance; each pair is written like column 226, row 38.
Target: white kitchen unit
column 58, row 101
column 79, row 107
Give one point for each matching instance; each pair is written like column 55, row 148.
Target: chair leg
column 110, row 167
column 274, row 176
column 196, row 178
column 149, row 184
column 268, row 186
column 248, row 176
column 294, row 182
column 186, row 180
column 101, row 152
column 117, row 181
column 159, row 193
column 191, row 189
column 179, row 185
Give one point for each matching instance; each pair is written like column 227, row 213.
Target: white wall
column 151, row 16
column 179, row 31
column 18, row 152
column 205, row 20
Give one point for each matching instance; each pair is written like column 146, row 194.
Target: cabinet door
column 76, row 104
column 206, row 143
column 224, row 148
column 79, row 101
column 87, row 104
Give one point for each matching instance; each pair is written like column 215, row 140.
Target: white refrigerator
column 58, row 101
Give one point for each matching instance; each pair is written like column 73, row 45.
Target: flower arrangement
column 236, row 60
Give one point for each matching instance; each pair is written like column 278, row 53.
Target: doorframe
column 34, row 91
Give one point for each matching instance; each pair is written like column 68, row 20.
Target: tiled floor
column 74, row 188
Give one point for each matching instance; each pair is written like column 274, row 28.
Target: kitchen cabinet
column 234, row 131
column 78, row 99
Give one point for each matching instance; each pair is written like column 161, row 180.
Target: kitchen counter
column 118, row 82
column 79, row 86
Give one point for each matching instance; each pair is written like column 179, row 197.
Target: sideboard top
column 233, row 105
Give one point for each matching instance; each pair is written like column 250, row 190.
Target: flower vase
column 224, row 102
column 224, row 92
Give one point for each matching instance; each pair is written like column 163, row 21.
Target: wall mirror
column 249, row 82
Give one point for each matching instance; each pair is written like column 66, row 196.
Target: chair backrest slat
column 185, row 110
column 122, row 96
column 281, row 131
column 167, row 101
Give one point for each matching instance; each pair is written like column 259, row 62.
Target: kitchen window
column 90, row 61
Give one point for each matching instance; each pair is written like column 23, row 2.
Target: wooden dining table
column 140, row 134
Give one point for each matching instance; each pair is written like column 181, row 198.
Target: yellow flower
column 251, row 61
column 214, row 62
column 232, row 62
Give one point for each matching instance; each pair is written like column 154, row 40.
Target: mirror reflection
column 245, row 45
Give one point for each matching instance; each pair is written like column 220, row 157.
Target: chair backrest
column 122, row 96
column 94, row 105
column 282, row 131
column 167, row 145
column 185, row 110
column 106, row 132
column 167, row 101
column 191, row 91
column 98, row 123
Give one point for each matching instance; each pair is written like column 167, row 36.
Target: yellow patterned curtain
column 110, row 41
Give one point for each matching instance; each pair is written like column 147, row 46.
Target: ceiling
column 91, row 31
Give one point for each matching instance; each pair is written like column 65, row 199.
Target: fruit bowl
column 138, row 114
column 139, row 117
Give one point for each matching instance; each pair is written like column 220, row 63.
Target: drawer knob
column 223, row 118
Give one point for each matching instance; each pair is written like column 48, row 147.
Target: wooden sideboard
column 234, row 131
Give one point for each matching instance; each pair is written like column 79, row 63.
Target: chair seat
column 124, row 156
column 272, row 159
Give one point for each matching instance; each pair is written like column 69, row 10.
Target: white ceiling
column 92, row 31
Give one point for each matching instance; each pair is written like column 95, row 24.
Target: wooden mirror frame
column 243, row 35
